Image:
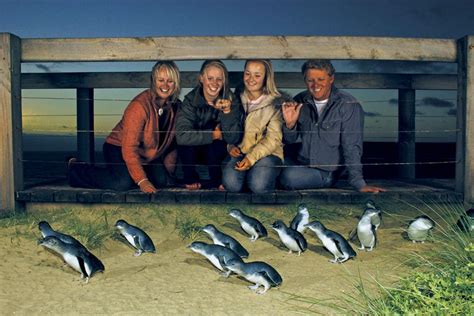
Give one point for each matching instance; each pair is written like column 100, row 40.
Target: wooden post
column 406, row 133
column 85, row 124
column 11, row 168
column 465, row 119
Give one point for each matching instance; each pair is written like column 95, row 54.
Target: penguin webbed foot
column 334, row 260
column 253, row 287
column 138, row 253
column 226, row 274
column 361, row 247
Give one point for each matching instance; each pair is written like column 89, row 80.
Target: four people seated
column 240, row 139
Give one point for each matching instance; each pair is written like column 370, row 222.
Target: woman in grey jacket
column 208, row 120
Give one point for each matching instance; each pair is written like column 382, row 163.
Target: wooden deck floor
column 440, row 190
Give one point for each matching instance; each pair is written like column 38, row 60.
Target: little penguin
column 466, row 222
column 419, row 228
column 366, row 230
column 46, row 230
column 292, row 239
column 78, row 257
column 216, row 254
column 375, row 220
column 136, row 237
column 334, row 242
column 256, row 272
column 219, row 238
column 301, row 219
column 249, row 224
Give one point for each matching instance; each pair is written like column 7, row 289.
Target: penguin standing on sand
column 366, row 230
column 46, row 230
column 376, row 219
column 219, row 238
column 334, row 242
column 136, row 237
column 419, row 228
column 77, row 257
column 249, row 224
column 216, row 254
column 301, row 219
column 257, row 272
column 292, row 239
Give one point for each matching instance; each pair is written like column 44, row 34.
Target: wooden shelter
column 14, row 51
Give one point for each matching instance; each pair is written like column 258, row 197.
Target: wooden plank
column 11, row 168
column 188, row 80
column 236, row 47
column 406, row 133
column 85, row 124
column 465, row 119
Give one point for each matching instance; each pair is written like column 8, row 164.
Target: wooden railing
column 14, row 51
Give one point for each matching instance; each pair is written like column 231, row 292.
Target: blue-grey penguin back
column 137, row 237
column 46, row 230
column 225, row 240
column 255, row 223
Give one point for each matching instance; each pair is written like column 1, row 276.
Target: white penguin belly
column 248, row 229
column 290, row 243
column 365, row 235
column 257, row 279
column 130, row 239
column 213, row 259
column 72, row 262
column 331, row 246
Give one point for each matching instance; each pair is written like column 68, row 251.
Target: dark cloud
column 372, row 114
column 435, row 102
column 452, row 112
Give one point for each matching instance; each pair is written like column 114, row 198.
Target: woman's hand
column 242, row 165
column 147, row 187
column 217, row 133
column 223, row 105
column 234, row 151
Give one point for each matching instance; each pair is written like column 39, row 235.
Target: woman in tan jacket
column 257, row 159
column 141, row 150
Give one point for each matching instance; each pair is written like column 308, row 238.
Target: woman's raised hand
column 223, row 105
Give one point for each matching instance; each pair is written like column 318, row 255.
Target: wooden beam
column 406, row 133
column 284, row 80
column 465, row 120
column 11, row 168
column 85, row 124
column 236, row 47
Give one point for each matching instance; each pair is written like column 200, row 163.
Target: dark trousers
column 210, row 155
column 115, row 175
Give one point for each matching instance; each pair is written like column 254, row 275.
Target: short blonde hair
column 269, row 86
column 172, row 71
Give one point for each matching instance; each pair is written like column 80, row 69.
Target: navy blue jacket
column 332, row 140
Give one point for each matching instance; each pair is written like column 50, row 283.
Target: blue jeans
column 300, row 177
column 261, row 178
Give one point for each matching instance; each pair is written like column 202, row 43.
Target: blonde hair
column 269, row 86
column 225, row 91
column 172, row 71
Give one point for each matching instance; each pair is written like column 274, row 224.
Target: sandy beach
column 177, row 281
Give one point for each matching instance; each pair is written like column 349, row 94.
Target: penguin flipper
column 82, row 266
column 262, row 231
column 352, row 234
column 136, row 240
column 302, row 243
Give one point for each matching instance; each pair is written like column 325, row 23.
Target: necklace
column 160, row 111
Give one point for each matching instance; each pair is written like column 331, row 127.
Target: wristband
column 140, row 182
